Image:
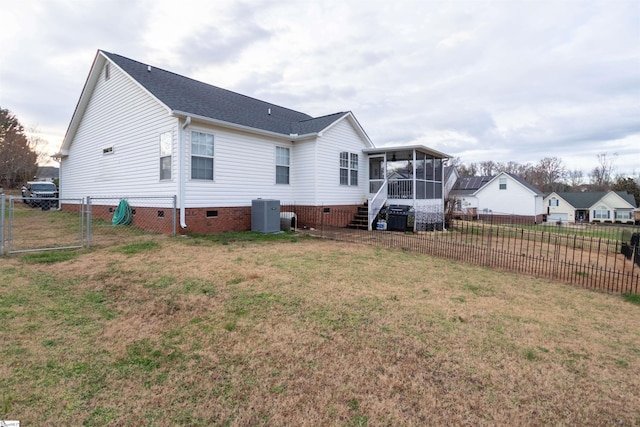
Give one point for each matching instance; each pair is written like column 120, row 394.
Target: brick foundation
column 214, row 220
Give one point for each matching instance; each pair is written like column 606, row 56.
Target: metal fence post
column 88, row 221
column 2, row 206
column 81, row 237
column 10, row 222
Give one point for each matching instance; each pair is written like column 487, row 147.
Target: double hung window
column 202, row 155
column 348, row 168
column 165, row 155
column 282, row 165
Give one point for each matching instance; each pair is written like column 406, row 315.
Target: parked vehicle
column 39, row 193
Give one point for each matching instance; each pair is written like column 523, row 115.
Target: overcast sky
column 478, row 79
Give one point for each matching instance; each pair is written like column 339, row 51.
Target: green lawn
column 248, row 330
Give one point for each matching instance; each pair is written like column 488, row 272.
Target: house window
column 503, row 183
column 348, row 168
column 601, row 212
column 165, row 155
column 201, row 155
column 622, row 215
column 553, row 201
column 282, row 165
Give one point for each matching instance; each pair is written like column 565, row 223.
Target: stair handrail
column 376, row 203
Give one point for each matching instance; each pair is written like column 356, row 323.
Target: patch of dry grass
column 188, row 332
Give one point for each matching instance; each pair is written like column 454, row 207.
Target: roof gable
column 184, row 96
column 515, row 178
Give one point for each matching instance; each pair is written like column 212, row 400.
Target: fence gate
column 38, row 224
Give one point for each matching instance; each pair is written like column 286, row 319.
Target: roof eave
column 244, row 128
column 423, row 148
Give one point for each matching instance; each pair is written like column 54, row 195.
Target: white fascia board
column 249, row 129
column 421, row 148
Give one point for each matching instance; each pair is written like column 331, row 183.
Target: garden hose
column 122, row 214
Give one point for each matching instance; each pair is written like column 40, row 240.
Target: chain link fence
column 38, row 224
column 111, row 219
column 55, row 223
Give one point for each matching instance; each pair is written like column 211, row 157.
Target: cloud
column 485, row 80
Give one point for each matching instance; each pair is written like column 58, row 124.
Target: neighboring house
column 503, row 195
column 597, row 206
column 451, row 176
column 141, row 130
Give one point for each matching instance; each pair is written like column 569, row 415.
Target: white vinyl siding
column 341, row 137
column 244, row 170
column 515, row 199
column 121, row 116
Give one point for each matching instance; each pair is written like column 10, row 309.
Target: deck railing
column 376, row 203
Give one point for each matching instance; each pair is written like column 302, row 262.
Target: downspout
column 181, row 172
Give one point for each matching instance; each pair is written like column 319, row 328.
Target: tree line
column 18, row 153
column 551, row 174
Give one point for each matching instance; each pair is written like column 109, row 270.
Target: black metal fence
column 589, row 256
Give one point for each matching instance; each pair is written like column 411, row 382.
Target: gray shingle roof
column 584, row 200
column 190, row 96
column 526, row 184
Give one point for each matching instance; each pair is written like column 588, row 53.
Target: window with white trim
column 202, row 155
column 349, row 164
column 166, row 148
column 282, row 165
column 503, row 183
column 623, row 215
column 601, row 212
column 553, row 201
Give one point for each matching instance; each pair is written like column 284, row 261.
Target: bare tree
column 549, row 174
column 576, row 178
column 467, row 171
column 488, row 168
column 508, row 167
column 602, row 175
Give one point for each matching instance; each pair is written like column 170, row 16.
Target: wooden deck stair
column 361, row 219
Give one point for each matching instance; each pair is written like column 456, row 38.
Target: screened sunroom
column 407, row 176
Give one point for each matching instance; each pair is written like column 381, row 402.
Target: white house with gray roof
column 590, row 206
column 141, row 130
column 504, row 195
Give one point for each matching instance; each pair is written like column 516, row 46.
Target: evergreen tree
column 18, row 161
